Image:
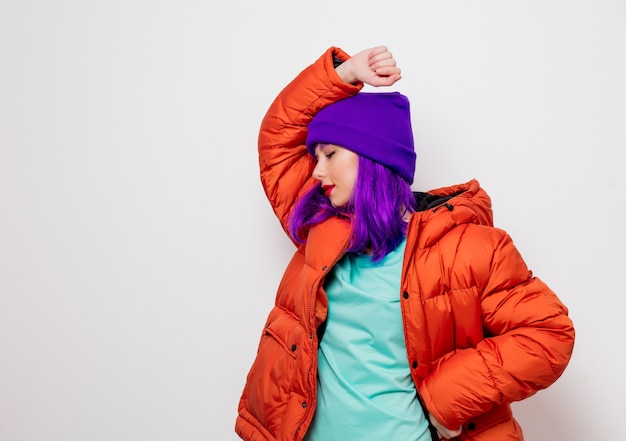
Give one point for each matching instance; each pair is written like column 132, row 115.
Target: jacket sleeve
column 529, row 342
column 285, row 164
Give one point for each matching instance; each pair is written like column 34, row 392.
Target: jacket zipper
column 433, row 432
column 316, row 283
column 308, row 374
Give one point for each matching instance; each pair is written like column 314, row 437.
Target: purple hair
column 376, row 209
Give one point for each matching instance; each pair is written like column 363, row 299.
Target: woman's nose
column 317, row 172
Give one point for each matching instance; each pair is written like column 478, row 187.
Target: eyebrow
column 320, row 147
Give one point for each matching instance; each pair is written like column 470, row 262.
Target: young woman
column 401, row 316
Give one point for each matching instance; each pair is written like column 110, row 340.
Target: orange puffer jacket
column 481, row 331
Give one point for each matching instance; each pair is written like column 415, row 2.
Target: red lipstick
column 327, row 189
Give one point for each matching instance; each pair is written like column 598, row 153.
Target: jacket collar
column 326, row 242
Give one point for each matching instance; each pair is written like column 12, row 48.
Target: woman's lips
column 327, row 189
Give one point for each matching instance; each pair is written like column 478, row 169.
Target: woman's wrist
column 345, row 73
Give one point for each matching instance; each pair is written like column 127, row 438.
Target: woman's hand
column 443, row 432
column 375, row 66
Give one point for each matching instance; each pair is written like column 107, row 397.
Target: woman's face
column 336, row 169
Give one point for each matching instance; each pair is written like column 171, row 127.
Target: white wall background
column 138, row 256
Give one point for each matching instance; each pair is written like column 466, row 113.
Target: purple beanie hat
column 375, row 125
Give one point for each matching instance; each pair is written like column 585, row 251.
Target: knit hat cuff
column 389, row 153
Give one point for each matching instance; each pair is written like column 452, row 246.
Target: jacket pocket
column 486, row 421
column 275, row 378
column 290, row 350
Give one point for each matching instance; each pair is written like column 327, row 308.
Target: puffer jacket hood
column 449, row 207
